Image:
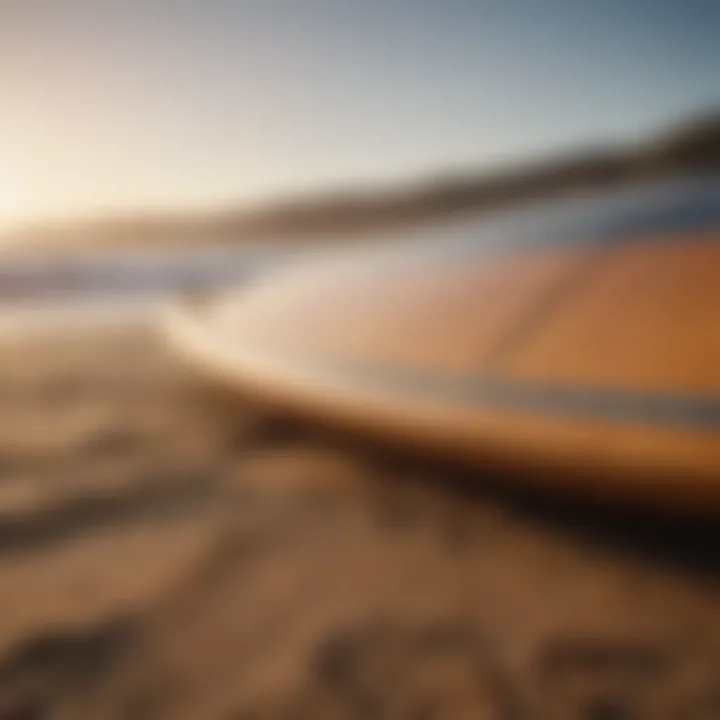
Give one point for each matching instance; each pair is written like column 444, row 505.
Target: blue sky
column 112, row 104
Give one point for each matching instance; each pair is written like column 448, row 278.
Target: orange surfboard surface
column 577, row 343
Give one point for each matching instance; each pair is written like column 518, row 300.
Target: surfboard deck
column 591, row 368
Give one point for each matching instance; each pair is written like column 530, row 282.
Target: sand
column 168, row 554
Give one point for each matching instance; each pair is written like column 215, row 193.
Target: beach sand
column 165, row 554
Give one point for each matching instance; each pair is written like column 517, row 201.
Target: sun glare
column 11, row 206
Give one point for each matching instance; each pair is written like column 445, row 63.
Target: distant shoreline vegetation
column 689, row 147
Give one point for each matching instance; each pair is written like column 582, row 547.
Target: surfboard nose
column 447, row 318
column 642, row 317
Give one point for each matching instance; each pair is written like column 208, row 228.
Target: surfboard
column 574, row 344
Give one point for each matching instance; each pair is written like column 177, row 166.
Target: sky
column 118, row 105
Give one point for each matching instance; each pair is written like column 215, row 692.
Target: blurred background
column 187, row 124
column 163, row 556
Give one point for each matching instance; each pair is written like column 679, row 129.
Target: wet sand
column 164, row 554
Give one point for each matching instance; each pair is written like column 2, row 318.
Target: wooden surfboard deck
column 582, row 357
